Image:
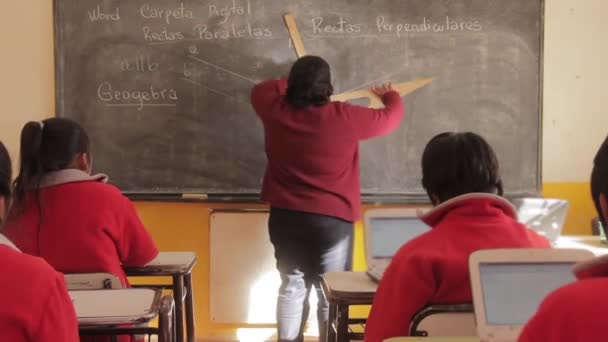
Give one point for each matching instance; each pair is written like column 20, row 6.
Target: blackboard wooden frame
column 371, row 198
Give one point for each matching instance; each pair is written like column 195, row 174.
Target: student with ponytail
column 35, row 303
column 62, row 213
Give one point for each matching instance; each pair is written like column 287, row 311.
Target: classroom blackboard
column 163, row 86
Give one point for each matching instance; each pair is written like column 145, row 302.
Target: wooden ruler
column 294, row 33
column 403, row 89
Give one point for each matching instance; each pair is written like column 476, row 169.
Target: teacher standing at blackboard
column 312, row 181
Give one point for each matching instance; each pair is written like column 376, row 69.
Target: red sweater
column 35, row 304
column 433, row 268
column 575, row 312
column 313, row 153
column 87, row 226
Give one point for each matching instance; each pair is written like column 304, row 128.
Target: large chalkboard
column 163, row 86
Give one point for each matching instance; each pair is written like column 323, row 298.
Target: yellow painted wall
column 574, row 123
column 581, row 210
column 185, row 226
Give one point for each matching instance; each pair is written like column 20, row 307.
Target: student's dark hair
column 309, row 82
column 50, row 145
column 455, row 164
column 5, row 178
column 599, row 180
column 5, row 173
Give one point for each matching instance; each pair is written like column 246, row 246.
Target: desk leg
column 332, row 323
column 342, row 323
column 189, row 308
column 178, row 293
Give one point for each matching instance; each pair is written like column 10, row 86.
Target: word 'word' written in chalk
column 97, row 15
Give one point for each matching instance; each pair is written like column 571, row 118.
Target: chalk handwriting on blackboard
column 319, row 25
column 139, row 63
column 97, row 15
column 233, row 9
column 176, row 76
column 203, row 32
column 168, row 15
column 163, row 35
column 149, row 96
column 449, row 25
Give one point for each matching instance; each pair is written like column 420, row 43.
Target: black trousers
column 306, row 246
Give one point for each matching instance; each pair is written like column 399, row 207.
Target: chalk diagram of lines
column 355, row 93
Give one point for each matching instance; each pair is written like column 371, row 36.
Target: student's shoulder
column 573, row 311
column 102, row 189
column 98, row 195
column 534, row 238
column 416, row 258
column 586, row 290
column 26, row 269
column 581, row 297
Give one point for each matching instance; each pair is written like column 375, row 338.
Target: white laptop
column 509, row 284
column 544, row 215
column 386, row 230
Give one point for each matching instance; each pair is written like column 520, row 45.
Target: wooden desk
column 343, row 289
column 590, row 243
column 179, row 266
column 117, row 312
column 433, row 339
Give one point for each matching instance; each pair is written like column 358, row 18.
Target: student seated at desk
column 35, row 305
column 461, row 177
column 75, row 221
column 577, row 312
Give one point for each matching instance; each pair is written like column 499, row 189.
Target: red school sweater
column 313, row 153
column 35, row 303
column 575, row 312
column 433, row 268
column 85, row 226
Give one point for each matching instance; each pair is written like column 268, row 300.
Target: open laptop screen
column 388, row 234
column 513, row 292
